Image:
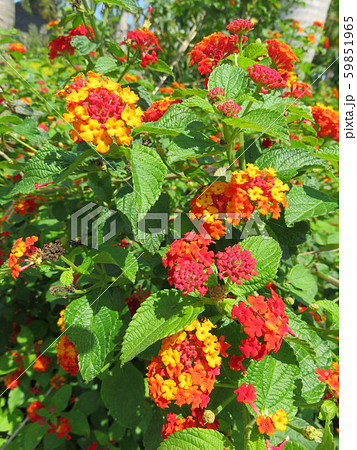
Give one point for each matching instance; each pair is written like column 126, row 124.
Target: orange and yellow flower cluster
column 185, row 369
column 196, row 420
column 101, row 111
column 328, row 121
column 23, row 251
column 67, row 355
column 268, row 424
column 158, row 109
column 237, row 199
column 331, row 377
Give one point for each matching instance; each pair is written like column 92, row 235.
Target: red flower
column 32, row 410
column 212, row 49
column 246, row 393
column 42, row 363
column 67, row 355
column 328, row 121
column 236, row 363
column 135, row 299
column 326, row 43
column 61, row 428
column 281, row 54
column 158, row 109
column 229, row 108
column 17, row 47
column 61, row 45
column 235, row 263
column 240, row 26
column 267, row 77
column 146, row 43
column 266, row 143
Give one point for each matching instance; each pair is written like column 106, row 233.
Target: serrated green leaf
column 188, row 92
column 232, row 79
column 162, row 314
column 161, row 66
column 174, row 121
column 123, row 394
column 244, row 62
column 199, row 103
column 83, row 45
column 191, row 145
column 43, row 167
column 148, row 175
column 330, row 308
column 92, row 334
column 66, row 277
column 28, row 129
column 267, row 253
column 195, row 439
column 305, row 202
column 327, row 439
column 10, row 119
column 288, row 162
column 301, row 278
column 263, row 120
column 256, row 440
column 312, row 388
column 112, row 254
column 105, row 65
column 274, row 380
column 254, row 50
column 115, row 50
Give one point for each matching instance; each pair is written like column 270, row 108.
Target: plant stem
column 226, row 402
column 23, row 143
column 225, row 385
column 228, row 138
column 70, row 264
column 248, row 426
column 105, row 18
column 241, row 157
column 93, row 23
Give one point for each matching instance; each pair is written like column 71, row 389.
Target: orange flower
column 158, row 109
column 185, row 369
column 32, row 412
column 128, row 77
column 52, row 23
column 319, row 24
column 57, row 381
column 42, row 363
column 101, row 111
column 20, row 249
column 265, row 425
column 67, row 355
column 17, row 47
column 26, row 205
column 281, row 54
column 331, row 377
column 12, row 379
column 311, row 38
column 328, row 121
column 61, row 428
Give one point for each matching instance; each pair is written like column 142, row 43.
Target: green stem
column 248, row 426
column 23, row 143
column 230, row 143
column 225, row 385
column 240, row 44
column 70, row 264
column 226, row 402
column 75, row 164
column 105, row 18
column 247, row 108
column 93, row 23
column 241, row 156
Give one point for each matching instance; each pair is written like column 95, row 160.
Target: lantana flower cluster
column 61, row 45
column 267, row 77
column 328, row 121
column 265, row 323
column 185, row 369
column 331, row 377
column 23, row 251
column 135, row 299
column 269, row 423
column 158, row 109
column 196, row 420
column 146, row 42
column 237, row 199
column 101, row 111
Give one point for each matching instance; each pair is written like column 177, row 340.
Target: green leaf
column 66, row 277
column 162, row 314
column 331, row 309
column 254, row 50
column 195, row 439
column 60, row 398
column 327, row 439
column 301, row 278
column 32, row 435
column 232, row 79
column 106, row 64
column 274, row 379
column 244, row 62
column 174, row 121
column 112, row 254
column 256, row 440
column 264, row 121
column 28, row 129
column 115, row 50
column 16, row 399
column 123, row 393
column 129, row 5
column 92, row 334
column 148, row 175
column 288, row 162
column 44, row 166
column 188, row 92
column 267, row 253
column 83, row 45
column 305, row 202
column 161, row 66
column 199, row 103
column 78, row 422
column 10, row 119
column 191, row 145
column 312, row 388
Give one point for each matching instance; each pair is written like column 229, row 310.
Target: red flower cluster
column 215, row 95
column 42, row 363
column 247, row 394
column 26, row 205
column 281, row 54
column 12, row 379
column 212, row 49
column 267, row 77
column 265, row 323
column 185, row 369
column 196, row 420
column 146, row 43
column 135, row 299
column 189, row 262
column 23, row 249
column 32, row 412
column 240, row 26
column 235, row 263
column 328, row 121
column 158, row 109
column 229, row 108
column 298, row 89
column 331, row 377
column 61, row 428
column 237, row 199
column 61, row 45
column 67, row 355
